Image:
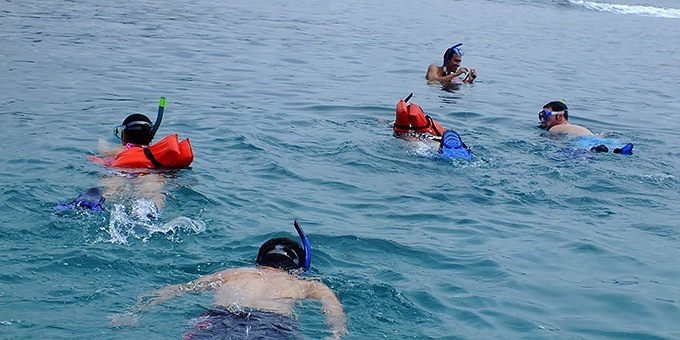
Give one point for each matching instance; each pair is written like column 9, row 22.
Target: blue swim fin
column 90, row 199
column 453, row 147
column 625, row 150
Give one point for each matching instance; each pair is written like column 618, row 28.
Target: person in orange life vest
column 450, row 71
column 411, row 122
column 146, row 187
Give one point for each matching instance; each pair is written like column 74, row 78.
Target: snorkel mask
column 451, row 51
column 552, row 108
column 138, row 125
column 544, row 114
column 131, row 126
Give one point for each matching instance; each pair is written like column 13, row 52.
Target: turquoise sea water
column 287, row 106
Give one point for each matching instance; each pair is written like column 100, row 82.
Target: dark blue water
column 287, row 106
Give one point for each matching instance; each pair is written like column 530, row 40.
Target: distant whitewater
column 650, row 11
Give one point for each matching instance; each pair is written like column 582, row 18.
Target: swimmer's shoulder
column 571, row 129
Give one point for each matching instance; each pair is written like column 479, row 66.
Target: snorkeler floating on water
column 136, row 133
column 412, row 123
column 450, row 71
column 258, row 302
column 554, row 118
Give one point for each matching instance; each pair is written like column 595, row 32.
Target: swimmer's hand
column 471, row 76
column 128, row 319
column 147, row 301
column 337, row 334
column 455, row 75
column 100, row 160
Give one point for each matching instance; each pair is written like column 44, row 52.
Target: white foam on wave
column 650, row 11
column 122, row 226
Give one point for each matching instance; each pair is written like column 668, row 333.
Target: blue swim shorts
column 221, row 323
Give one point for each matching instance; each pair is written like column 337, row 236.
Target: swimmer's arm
column 330, row 307
column 207, row 282
column 113, row 152
column 433, row 74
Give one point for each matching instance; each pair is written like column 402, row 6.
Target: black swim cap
column 282, row 253
column 137, row 129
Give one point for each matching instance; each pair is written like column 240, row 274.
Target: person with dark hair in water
column 450, row 71
column 554, row 117
column 136, row 130
column 258, row 302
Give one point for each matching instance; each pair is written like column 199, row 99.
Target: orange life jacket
column 412, row 118
column 169, row 152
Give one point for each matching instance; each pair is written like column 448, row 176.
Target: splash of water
column 139, row 224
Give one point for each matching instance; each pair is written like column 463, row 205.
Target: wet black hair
column 282, row 253
column 558, row 106
column 137, row 129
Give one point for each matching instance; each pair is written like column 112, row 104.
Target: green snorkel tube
column 305, row 246
column 159, row 117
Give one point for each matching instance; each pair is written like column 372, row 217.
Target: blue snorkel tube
column 159, row 117
column 305, row 246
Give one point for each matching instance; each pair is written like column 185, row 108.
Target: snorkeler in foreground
column 555, row 118
column 258, row 302
column 450, row 71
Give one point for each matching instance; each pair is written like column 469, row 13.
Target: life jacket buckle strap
column 151, row 158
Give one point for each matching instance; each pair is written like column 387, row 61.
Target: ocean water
column 288, row 106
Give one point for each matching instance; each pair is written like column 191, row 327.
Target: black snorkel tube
column 305, row 246
column 159, row 117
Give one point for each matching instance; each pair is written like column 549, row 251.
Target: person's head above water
column 553, row 113
column 136, row 129
column 453, row 57
column 282, row 253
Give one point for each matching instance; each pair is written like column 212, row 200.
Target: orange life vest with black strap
column 169, row 152
column 412, row 118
